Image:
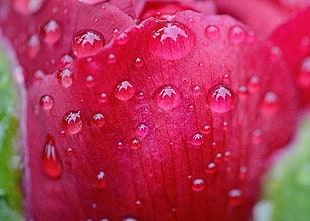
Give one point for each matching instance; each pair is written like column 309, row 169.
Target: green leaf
column 287, row 186
column 10, row 166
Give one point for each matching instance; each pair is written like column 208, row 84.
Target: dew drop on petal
column 111, row 58
column 135, row 144
column 303, row 78
column 235, row 196
column 221, row 98
column 196, row 90
column 167, row 97
column 142, row 130
column 124, row 90
column 46, row 102
column 170, row 40
column 196, row 139
column 38, row 76
column 121, row 38
column 206, row 129
column 227, row 155
column 103, row 98
column 101, row 182
column 212, row 32
column 87, row 43
column 98, row 120
column 92, row 1
column 27, row 7
column 275, row 54
column 89, row 81
column 72, row 122
column 139, row 62
column 243, row 172
column 33, row 46
column 51, row 162
column 51, row 32
column 120, row 145
column 271, row 103
column 65, row 60
column 257, row 136
column 69, row 151
column 237, row 34
column 218, row 157
column 243, row 92
column 64, row 77
column 198, row 185
column 211, row 168
column 254, row 84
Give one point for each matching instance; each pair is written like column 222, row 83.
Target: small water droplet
column 198, row 185
column 303, row 78
column 90, row 82
column 142, row 130
column 101, row 182
column 167, row 97
column 196, row 90
column 46, row 102
column 138, row 203
column 235, row 196
column 92, row 1
column 211, row 168
column 27, row 7
column 257, row 136
column 69, row 151
column 38, row 76
column 271, row 103
column 72, row 122
column 227, row 155
column 33, row 46
column 120, row 145
column 51, row 163
column 221, row 98
column 212, row 32
column 275, row 54
column 98, row 120
column 225, row 125
column 124, row 90
column 243, row 172
column 64, row 77
column 111, row 58
column 103, row 98
column 135, row 144
column 139, row 62
column 65, row 60
column 254, row 84
column 129, row 219
column 237, row 34
column 243, row 92
column 218, row 157
column 206, row 129
column 196, row 139
column 87, row 43
column 170, row 40
column 226, row 79
column 51, row 32
column 121, row 38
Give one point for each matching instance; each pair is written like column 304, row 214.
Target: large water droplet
column 304, row 74
column 271, row 103
column 33, row 46
column 46, row 102
column 50, row 32
column 101, row 180
column 27, row 6
column 196, row 139
column 51, row 163
column 167, row 97
column 98, row 120
column 221, row 98
column 64, row 77
column 198, row 185
column 124, row 90
column 87, row 42
column 237, row 34
column 72, row 122
column 212, row 32
column 142, row 130
column 170, row 40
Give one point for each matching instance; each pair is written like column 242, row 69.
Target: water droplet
column 227, row 155
column 72, row 122
column 98, row 120
column 69, row 151
column 64, row 77
column 243, row 172
column 142, row 130
column 38, row 76
column 211, row 168
column 50, row 32
column 90, row 82
column 225, row 125
column 65, row 60
column 92, row 1
column 121, row 38
column 138, row 203
column 221, row 98
column 271, row 103
column 101, row 180
column 196, row 139
column 196, row 90
column 254, row 83
column 129, row 219
column 111, row 58
column 27, row 7
column 87, row 43
column 51, row 163
column 46, row 102
column 167, row 97
column 226, row 79
column 170, row 40
column 237, row 34
column 275, row 54
column 135, row 144
column 120, row 145
column 198, row 185
column 303, row 78
column 206, row 129
column 124, row 90
column 139, row 62
column 243, row 92
column 33, row 46
column 212, row 32
column 235, row 196
column 103, row 98
column 218, row 157
column 257, row 136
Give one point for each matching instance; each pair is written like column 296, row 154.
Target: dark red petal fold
column 176, row 122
